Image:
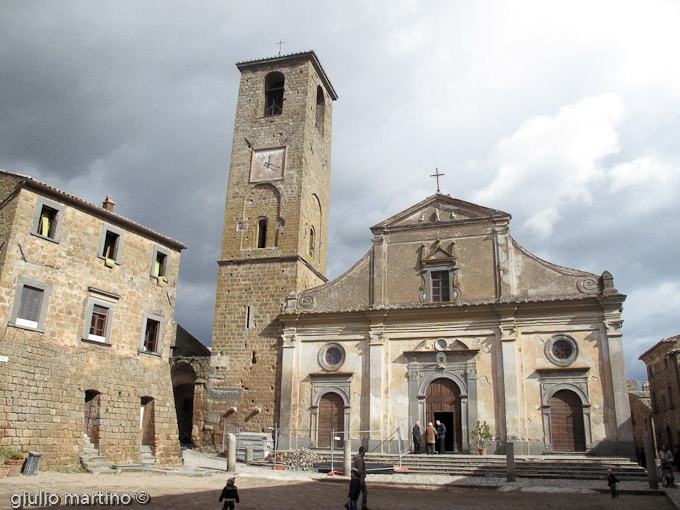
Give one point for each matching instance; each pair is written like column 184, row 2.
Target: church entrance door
column 443, row 404
column 566, row 421
column 331, row 418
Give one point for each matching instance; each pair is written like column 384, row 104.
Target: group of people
column 433, row 435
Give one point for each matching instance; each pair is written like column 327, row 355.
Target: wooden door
column 566, row 420
column 443, row 396
column 331, row 417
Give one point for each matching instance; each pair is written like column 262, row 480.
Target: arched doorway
column 183, row 381
column 566, row 417
column 331, row 418
column 443, row 404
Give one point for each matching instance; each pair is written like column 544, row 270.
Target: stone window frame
column 272, row 94
column 162, row 277
column 426, row 274
column 549, row 345
column 105, row 300
column 59, row 210
column 119, row 245
column 161, row 334
column 46, row 289
column 321, row 357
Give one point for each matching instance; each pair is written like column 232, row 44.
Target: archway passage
column 183, row 380
column 331, row 418
column 443, row 404
column 566, row 420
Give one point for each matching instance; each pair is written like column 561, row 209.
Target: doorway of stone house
column 91, row 416
column 147, row 421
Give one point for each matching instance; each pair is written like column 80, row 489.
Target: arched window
column 273, row 94
column 311, row 241
column 262, row 233
column 320, row 108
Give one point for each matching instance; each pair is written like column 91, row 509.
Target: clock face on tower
column 267, row 164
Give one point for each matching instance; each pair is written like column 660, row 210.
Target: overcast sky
column 564, row 114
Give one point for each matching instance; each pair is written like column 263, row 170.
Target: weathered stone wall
column 43, row 384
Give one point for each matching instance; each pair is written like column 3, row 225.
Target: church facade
column 446, row 317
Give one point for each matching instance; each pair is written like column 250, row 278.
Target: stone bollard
column 650, row 458
column 510, row 461
column 249, row 455
column 231, row 453
column 347, row 458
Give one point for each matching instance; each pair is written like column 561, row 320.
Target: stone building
column 446, row 317
column 664, row 389
column 274, row 235
column 87, row 320
column 190, row 366
column 642, row 415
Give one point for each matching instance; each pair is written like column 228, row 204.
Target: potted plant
column 480, row 435
column 14, row 459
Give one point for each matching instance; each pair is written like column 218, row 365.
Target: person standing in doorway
column 430, row 438
column 441, row 433
column 416, row 438
column 360, row 465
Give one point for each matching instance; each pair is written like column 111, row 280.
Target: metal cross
column 437, row 175
column 280, row 43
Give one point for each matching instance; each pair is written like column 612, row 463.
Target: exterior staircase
column 148, row 459
column 576, row 467
column 92, row 462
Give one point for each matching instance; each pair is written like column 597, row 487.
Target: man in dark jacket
column 441, row 434
column 416, row 437
column 360, row 465
column 229, row 495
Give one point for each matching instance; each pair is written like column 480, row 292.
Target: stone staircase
column 92, row 462
column 576, row 467
column 147, row 458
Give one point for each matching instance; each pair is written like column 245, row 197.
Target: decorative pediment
column 437, row 253
column 436, row 209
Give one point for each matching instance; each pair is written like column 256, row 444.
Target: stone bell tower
column 275, row 232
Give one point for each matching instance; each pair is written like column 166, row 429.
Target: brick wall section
column 42, row 386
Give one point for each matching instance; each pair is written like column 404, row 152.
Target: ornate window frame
column 321, row 357
column 560, row 362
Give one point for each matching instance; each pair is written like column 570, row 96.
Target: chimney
column 108, row 203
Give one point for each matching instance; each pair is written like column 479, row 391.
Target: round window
column 331, row 357
column 561, row 350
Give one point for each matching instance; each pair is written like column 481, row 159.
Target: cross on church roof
column 437, row 175
column 280, row 43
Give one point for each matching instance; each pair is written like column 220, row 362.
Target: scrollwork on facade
column 588, row 285
column 306, row 301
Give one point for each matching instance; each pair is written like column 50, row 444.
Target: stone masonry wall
column 43, row 384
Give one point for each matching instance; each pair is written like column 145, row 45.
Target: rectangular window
column 47, row 221
column 151, row 341
column 29, row 310
column 30, row 304
column 440, row 287
column 159, row 264
column 151, row 335
column 111, row 245
column 99, row 316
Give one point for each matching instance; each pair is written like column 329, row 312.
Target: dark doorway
column 92, row 418
column 147, row 421
column 443, row 399
column 451, row 436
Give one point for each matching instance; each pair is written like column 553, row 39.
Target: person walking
column 441, row 433
column 666, row 461
column 612, row 481
column 229, row 495
column 354, row 490
column 416, row 438
column 430, row 438
column 359, row 464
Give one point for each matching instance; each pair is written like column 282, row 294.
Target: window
column 273, row 94
column 311, row 241
column 159, row 264
column 331, row 357
column 30, row 305
column 152, row 334
column 320, row 109
column 262, row 233
column 111, row 245
column 561, row 350
column 99, row 316
column 440, row 286
column 47, row 221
